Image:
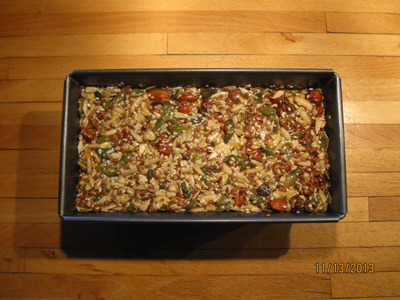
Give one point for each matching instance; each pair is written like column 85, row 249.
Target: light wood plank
column 205, row 262
column 357, row 209
column 63, row 6
column 29, row 161
column 225, row 236
column 379, row 284
column 373, row 184
column 9, row 7
column 31, row 90
column 345, row 66
column 160, row 287
column 162, row 21
column 384, row 208
column 3, row 68
column 371, row 112
column 373, row 160
column 25, row 210
column 282, row 43
column 371, row 136
column 378, row 89
column 363, row 22
column 12, row 260
column 34, row 114
column 30, row 137
column 26, row 185
column 76, row 45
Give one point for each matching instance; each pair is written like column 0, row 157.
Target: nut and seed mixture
column 202, row 149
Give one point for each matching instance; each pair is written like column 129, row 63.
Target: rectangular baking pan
column 327, row 80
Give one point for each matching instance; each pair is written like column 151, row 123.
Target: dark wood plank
column 30, row 137
column 29, row 186
column 29, row 161
column 12, row 260
column 28, row 210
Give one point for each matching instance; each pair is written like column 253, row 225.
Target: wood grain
column 373, row 160
column 161, row 21
column 29, row 161
column 12, row 260
column 371, row 112
column 77, row 45
column 384, row 208
column 3, row 69
column 31, row 90
column 38, row 286
column 30, row 137
column 26, row 114
column 27, row 185
column 363, row 22
column 27, row 210
column 357, row 209
column 377, row 89
column 282, row 43
column 345, row 66
column 371, row 184
column 203, row 262
column 227, row 237
column 20, row 7
column 371, row 136
column 63, row 6
column 366, row 285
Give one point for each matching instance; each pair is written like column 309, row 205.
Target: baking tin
column 327, row 80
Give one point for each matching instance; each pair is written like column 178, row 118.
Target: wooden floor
column 41, row 41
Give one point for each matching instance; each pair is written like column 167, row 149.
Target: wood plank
column 282, row 43
column 373, row 160
column 357, row 209
column 3, row 68
column 161, row 21
column 384, row 208
column 74, row 45
column 342, row 234
column 63, row 6
column 363, row 22
column 373, row 184
column 31, row 90
column 9, row 7
column 366, row 285
column 26, row 185
column 226, row 236
column 361, row 89
column 14, row 235
column 371, row 136
column 12, row 260
column 371, row 112
column 40, row 286
column 25, row 210
column 205, row 262
column 30, row 137
column 34, row 114
column 29, row 161
column 345, row 66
